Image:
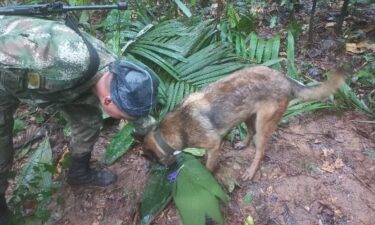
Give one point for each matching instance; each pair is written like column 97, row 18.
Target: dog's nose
column 149, row 155
column 168, row 160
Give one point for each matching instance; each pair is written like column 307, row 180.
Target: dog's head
column 156, row 149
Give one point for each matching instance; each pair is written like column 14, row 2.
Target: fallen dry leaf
column 359, row 47
column 330, row 24
column 339, row 163
column 59, row 167
column 328, row 167
column 327, row 151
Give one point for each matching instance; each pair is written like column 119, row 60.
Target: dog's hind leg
column 250, row 125
column 266, row 122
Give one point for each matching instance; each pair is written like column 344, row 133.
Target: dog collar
column 163, row 145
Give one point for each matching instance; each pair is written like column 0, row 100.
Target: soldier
column 47, row 63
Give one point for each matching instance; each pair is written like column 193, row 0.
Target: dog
column 257, row 96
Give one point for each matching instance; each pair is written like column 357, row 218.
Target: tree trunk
column 220, row 8
column 344, row 11
column 311, row 23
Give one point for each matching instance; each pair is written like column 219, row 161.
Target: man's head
column 130, row 92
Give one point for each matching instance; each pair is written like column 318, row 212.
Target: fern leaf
column 253, row 46
column 259, row 50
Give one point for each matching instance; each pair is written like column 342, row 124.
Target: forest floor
column 319, row 167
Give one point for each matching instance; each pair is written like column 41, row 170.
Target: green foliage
column 251, row 48
column 113, row 26
column 195, row 151
column 67, row 130
column 365, row 76
column 196, row 193
column 249, row 220
column 295, row 28
column 292, row 71
column 24, row 151
column 248, row 198
column 363, row 79
column 39, row 119
column 186, row 58
column 119, row 145
column 289, row 4
column 350, row 99
column 158, row 193
column 297, row 107
column 35, row 183
column 233, row 16
column 273, row 21
column 19, row 125
column 183, row 8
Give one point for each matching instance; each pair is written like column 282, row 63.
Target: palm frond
column 185, row 58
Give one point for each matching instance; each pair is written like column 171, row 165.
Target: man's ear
column 107, row 100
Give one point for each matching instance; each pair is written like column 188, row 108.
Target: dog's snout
column 167, row 161
column 151, row 156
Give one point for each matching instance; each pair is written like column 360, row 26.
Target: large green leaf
column 275, row 51
column 119, row 145
column 194, row 203
column 35, row 167
column 35, row 182
column 183, row 8
column 253, row 46
column 197, row 193
column 268, row 50
column 157, row 195
column 185, row 58
column 260, row 50
column 292, row 71
column 199, row 175
column 156, row 58
column 347, row 95
column 297, row 107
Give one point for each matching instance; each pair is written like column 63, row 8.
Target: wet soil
column 319, row 168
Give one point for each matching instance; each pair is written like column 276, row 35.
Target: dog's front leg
column 250, row 127
column 213, row 148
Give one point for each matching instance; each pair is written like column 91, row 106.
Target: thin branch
column 344, row 11
column 311, row 24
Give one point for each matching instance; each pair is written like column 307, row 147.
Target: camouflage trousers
column 84, row 115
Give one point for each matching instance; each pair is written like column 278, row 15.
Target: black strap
column 163, row 145
column 93, row 54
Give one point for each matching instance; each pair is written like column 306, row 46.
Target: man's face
column 113, row 110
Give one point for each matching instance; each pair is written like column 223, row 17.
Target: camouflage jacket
column 34, row 48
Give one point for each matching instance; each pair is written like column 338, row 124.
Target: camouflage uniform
column 39, row 60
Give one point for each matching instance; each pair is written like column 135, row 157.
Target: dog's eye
column 150, row 156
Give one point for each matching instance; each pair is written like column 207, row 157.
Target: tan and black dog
column 257, row 96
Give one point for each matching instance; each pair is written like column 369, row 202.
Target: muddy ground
column 319, row 169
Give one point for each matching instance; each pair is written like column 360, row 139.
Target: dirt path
column 319, row 169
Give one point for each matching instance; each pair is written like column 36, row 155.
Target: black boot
column 4, row 211
column 80, row 173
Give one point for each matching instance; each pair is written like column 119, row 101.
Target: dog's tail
column 320, row 91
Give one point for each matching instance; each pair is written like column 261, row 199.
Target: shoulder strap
column 93, row 54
